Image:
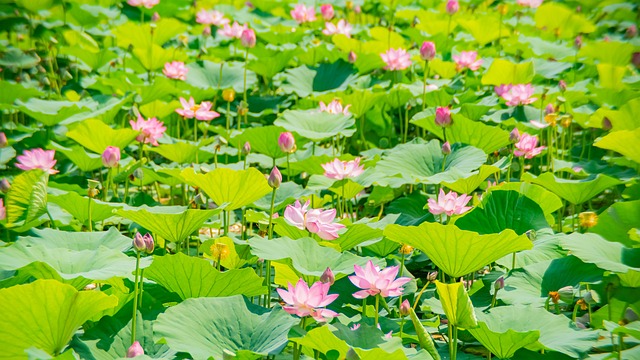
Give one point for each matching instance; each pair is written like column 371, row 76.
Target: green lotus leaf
column 10, row 92
column 360, row 101
column 304, row 80
column 287, row 193
column 78, row 206
column 226, row 186
column 485, row 28
column 574, row 191
column 6, row 155
column 468, row 184
column 190, row 277
column 278, row 61
column 548, row 201
column 16, row 58
column 206, row 75
column 420, row 162
column 95, row 135
column 504, row 209
column 505, row 72
column 611, row 77
column 364, row 232
column 173, row 223
column 424, row 339
column 52, row 112
column 45, row 314
column 27, row 199
column 315, row 125
column 78, row 240
column 545, row 247
column 457, row 252
column 619, row 141
column 564, row 21
column 457, row 305
column 346, row 187
column 87, row 162
column 182, row 152
column 223, row 324
column 615, row 223
column 607, row 255
column 263, row 140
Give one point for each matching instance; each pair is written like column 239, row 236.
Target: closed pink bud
column 635, row 59
column 428, row 50
column 139, row 243
column 443, row 116
column 5, row 185
column 3, row 140
column 111, row 156
column 149, row 244
column 632, row 31
column 577, row 43
column 287, row 142
column 246, row 148
column 352, row 57
column 514, row 135
column 328, row 277
column 499, row 283
column 248, row 38
column 453, row 6
column 155, row 17
column 562, row 85
column 405, row 307
column 446, row 148
column 275, row 178
column 327, row 11
column 549, row 109
column 135, row 350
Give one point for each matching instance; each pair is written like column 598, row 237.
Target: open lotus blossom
column 232, row 31
column 396, row 59
column 316, row 221
column 146, row 3
column 450, row 204
column 211, row 18
column 3, row 210
column 339, row 170
column 516, row 95
column 175, row 70
column 374, row 281
column 150, row 130
column 527, row 146
column 335, row 107
column 327, row 11
column 530, row 3
column 188, row 108
column 303, row 300
column 37, row 159
column 202, row 111
column 467, row 60
column 342, row 27
column 302, row 14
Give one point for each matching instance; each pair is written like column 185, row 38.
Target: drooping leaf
column 27, row 198
column 457, row 305
column 424, row 339
column 468, row 184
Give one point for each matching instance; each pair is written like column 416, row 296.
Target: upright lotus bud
column 577, row 43
column 5, row 185
column 138, row 242
column 432, row 276
column 135, row 350
column 327, row 11
column 352, row 57
column 606, row 124
column 443, row 116
column 514, row 135
column 328, row 277
column 631, row 32
column 498, row 284
column 248, row 38
column 149, row 244
column 275, row 178
column 428, row 51
column 588, row 219
column 287, row 142
column 453, row 6
column 446, row 148
column 549, row 109
column 229, row 95
column 562, row 85
column 3, row 140
column 246, row 148
column 404, row 307
column 566, row 294
column 155, row 17
column 111, row 156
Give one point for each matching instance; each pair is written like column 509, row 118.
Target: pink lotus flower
column 467, row 60
column 327, row 11
column 37, row 159
column 248, row 38
column 304, row 301
column 146, row 3
column 342, row 27
column 111, row 156
column 204, row 112
column 453, row 6
column 211, row 18
column 372, row 281
column 188, row 108
column 527, row 146
column 428, row 51
column 450, row 204
column 396, row 59
column 150, row 130
column 3, row 210
column 516, row 95
column 316, row 221
column 287, row 142
column 530, row 3
column 334, row 107
column 352, row 57
column 302, row 14
column 3, row 140
column 175, row 70
column 549, row 109
column 135, row 350
column 232, row 32
column 339, row 170
column 443, row 116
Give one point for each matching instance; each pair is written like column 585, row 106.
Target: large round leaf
column 457, row 252
column 78, row 206
column 95, row 135
column 574, row 191
column 206, row 327
column 206, row 75
column 615, row 223
column 315, row 125
column 263, row 140
column 45, row 314
column 327, row 77
column 182, row 152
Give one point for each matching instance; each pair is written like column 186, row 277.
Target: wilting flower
column 275, row 178
column 146, row 3
column 588, row 219
column 467, row 60
column 316, row 221
column 211, row 18
column 287, row 142
column 150, row 130
column 37, row 159
column 428, row 51
column 373, row 281
column 328, row 277
column 450, row 204
column 304, row 301
column 111, row 156
column 530, row 3
column 453, row 6
column 516, row 95
column 203, row 111
column 443, row 116
column 234, row 31
column 327, row 11
column 527, row 146
column 175, row 70
column 302, row 14
column 339, row 170
column 248, row 38
column 135, row 350
column 334, row 107
column 342, row 27
column 396, row 59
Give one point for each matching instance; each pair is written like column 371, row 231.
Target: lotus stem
column 288, row 168
column 377, row 309
column 424, row 85
column 268, row 262
column 89, row 215
column 135, row 299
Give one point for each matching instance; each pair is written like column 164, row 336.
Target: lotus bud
column 248, row 38
column 405, row 307
column 588, row 219
column 446, row 148
column 229, row 95
column 606, row 124
column 111, row 156
column 352, row 355
column 432, row 276
column 328, row 277
column 287, row 142
column 352, row 57
column 327, row 11
column 499, row 283
column 453, row 6
column 246, row 148
column 66, row 75
column 155, row 17
column 3, row 140
column 549, row 109
column 206, row 31
column 631, row 32
column 275, row 178
column 514, row 135
column 577, row 43
column 139, row 242
column 357, row 9
column 5, row 185
column 562, row 85
column 149, row 243
column 566, row 294
column 427, row 51
column 443, row 116
column 406, row 249
column 138, row 174
column 635, row 59
column 135, row 350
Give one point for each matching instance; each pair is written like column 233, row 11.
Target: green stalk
column 288, row 169
column 135, row 299
column 377, row 309
column 424, row 86
column 246, row 57
column 268, row 263
column 90, row 224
